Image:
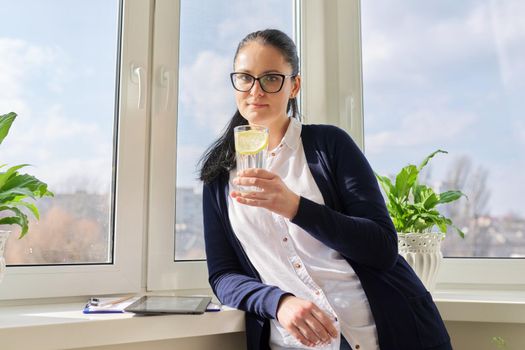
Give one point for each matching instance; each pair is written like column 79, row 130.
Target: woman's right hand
column 305, row 321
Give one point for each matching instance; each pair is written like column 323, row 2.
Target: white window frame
column 330, row 45
column 125, row 274
column 163, row 273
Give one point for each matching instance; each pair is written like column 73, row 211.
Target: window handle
column 137, row 77
column 166, row 82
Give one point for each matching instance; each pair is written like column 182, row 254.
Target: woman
column 312, row 258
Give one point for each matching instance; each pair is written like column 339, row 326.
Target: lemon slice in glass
column 250, row 142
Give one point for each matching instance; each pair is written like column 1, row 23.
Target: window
column 62, row 84
column 75, row 74
column 451, row 76
column 182, row 129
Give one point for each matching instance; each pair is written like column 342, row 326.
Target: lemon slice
column 250, row 142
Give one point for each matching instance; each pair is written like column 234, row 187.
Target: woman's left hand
column 274, row 195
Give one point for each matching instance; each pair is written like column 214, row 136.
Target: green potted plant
column 420, row 226
column 500, row 342
column 17, row 193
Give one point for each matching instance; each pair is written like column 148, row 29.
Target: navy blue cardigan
column 355, row 222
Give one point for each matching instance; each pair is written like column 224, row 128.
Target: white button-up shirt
column 288, row 257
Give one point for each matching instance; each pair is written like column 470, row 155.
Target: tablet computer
column 158, row 305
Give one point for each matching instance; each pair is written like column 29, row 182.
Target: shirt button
column 357, row 346
column 285, row 239
column 297, row 265
column 317, row 292
column 273, row 154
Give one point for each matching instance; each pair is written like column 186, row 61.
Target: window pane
column 451, row 75
column 210, row 32
column 57, row 71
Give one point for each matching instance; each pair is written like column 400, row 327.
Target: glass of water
column 251, row 147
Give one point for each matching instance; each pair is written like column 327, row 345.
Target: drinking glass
column 251, row 147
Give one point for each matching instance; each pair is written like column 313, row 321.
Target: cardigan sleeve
column 363, row 231
column 227, row 277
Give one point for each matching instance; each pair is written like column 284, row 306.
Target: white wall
column 465, row 336
column 234, row 341
column 478, row 335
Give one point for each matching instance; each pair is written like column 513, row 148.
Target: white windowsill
column 64, row 326
column 53, row 326
column 481, row 306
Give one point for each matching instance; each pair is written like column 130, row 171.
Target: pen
column 115, row 302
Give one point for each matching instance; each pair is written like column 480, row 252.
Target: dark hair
column 219, row 158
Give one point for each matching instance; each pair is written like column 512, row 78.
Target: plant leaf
column 15, row 194
column 385, row 183
column 405, row 180
column 450, row 196
column 19, row 219
column 459, row 231
column 430, row 156
column 12, row 171
column 431, row 201
column 5, row 124
column 37, row 187
column 500, row 342
column 32, row 208
column 10, row 220
column 425, row 196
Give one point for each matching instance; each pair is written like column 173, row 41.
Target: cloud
column 241, row 22
column 73, row 174
column 61, row 147
column 69, row 155
column 420, row 128
column 519, row 131
column 205, row 92
column 508, row 28
column 21, row 65
column 20, row 61
column 507, row 195
column 416, row 45
column 187, row 158
column 48, row 134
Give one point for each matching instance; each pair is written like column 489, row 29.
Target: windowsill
column 51, row 326
column 481, row 305
column 64, row 326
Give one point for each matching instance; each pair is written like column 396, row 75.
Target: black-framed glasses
column 270, row 83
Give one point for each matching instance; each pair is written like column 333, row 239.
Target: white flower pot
column 422, row 251
column 4, row 235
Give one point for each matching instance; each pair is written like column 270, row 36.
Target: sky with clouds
column 449, row 75
column 57, row 71
column 440, row 74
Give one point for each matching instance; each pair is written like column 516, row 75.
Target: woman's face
column 256, row 105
